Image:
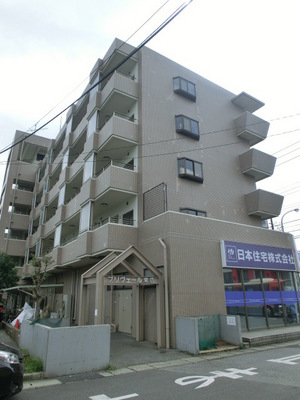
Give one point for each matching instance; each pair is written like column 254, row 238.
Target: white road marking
column 290, row 360
column 233, row 373
column 104, row 397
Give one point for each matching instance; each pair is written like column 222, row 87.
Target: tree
column 39, row 275
column 8, row 272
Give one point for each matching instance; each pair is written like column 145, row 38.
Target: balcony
column 23, row 196
column 116, row 177
column 247, row 102
column 15, row 247
column 19, row 221
column 263, row 204
column 251, row 128
column 118, row 96
column 113, row 236
column 257, row 164
column 118, row 127
column 107, row 238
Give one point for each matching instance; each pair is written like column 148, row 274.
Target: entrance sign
column 233, row 373
column 254, row 256
column 127, row 280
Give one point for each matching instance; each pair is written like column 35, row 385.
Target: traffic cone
column 17, row 325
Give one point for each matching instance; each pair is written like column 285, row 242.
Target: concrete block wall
column 188, row 335
column 230, row 329
column 67, row 350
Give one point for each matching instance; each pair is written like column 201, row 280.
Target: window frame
column 178, row 87
column 181, row 124
column 185, row 166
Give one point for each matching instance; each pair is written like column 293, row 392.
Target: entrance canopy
column 101, row 275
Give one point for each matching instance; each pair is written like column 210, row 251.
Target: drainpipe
column 166, row 294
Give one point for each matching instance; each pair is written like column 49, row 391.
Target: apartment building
column 147, row 203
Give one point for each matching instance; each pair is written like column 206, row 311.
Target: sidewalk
column 128, row 355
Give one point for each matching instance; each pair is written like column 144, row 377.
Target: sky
column 48, row 48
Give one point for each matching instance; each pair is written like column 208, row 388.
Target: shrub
column 33, row 364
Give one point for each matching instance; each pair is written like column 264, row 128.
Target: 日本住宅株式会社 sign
column 245, row 255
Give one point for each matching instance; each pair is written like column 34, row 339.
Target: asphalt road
column 268, row 373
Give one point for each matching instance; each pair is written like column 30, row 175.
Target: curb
column 33, row 376
column 121, row 370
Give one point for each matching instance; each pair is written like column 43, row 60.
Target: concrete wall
column 231, row 331
column 187, row 338
column 67, row 350
column 188, row 331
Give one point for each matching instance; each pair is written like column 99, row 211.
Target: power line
column 107, row 75
column 104, row 62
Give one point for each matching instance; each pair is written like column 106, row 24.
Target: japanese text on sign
column 245, row 255
column 122, row 279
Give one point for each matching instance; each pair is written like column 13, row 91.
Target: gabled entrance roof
column 111, row 261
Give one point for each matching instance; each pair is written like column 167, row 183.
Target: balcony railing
column 113, row 220
column 115, row 164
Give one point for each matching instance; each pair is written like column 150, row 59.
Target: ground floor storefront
column 262, row 285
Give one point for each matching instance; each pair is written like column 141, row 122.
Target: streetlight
column 295, row 209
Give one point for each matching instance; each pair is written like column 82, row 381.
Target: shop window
column 187, row 126
column 190, row 169
column 185, row 88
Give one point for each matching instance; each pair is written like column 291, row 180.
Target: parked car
column 11, row 371
column 276, row 310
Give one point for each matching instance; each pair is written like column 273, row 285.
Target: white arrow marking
column 287, row 360
column 104, row 397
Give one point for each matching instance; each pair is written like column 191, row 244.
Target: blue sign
column 254, row 256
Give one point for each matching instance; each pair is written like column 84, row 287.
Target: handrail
column 116, row 164
column 113, row 220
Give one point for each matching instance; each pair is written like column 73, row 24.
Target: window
column 61, row 196
column 88, row 170
column 69, row 127
column 187, row 126
column 129, row 165
column 57, row 236
column 46, row 184
column 65, row 161
column 85, row 213
column 189, row 169
column 191, row 211
column 92, row 124
column 184, row 88
column 40, row 157
column 128, row 218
